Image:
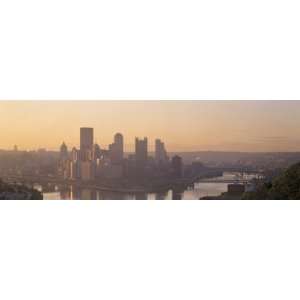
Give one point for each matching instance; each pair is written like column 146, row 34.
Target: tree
column 285, row 186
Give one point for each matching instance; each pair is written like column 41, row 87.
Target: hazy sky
column 182, row 125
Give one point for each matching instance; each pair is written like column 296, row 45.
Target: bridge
column 29, row 179
column 214, row 180
column 45, row 181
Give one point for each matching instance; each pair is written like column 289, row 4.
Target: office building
column 86, row 143
column 141, row 155
column 74, row 154
column 63, row 152
column 96, row 152
column 116, row 149
column 86, row 138
column 119, row 146
column 141, row 150
column 86, row 170
column 177, row 168
column 160, row 152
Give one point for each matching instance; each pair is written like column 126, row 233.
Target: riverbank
column 10, row 191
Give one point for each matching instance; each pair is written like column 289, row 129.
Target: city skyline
column 246, row 126
column 90, row 163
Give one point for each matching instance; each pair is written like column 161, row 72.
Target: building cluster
column 91, row 161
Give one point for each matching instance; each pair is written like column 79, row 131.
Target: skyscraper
column 96, row 152
column 86, row 143
column 141, row 154
column 74, row 154
column 86, row 153
column 160, row 152
column 86, row 138
column 116, row 149
column 74, row 164
column 63, row 161
column 119, row 146
column 63, row 151
column 177, row 168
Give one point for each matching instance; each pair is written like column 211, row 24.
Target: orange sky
column 183, row 125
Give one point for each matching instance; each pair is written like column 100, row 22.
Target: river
column 198, row 190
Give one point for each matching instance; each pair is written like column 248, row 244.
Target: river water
column 198, row 190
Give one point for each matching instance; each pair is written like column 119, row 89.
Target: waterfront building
column 96, row 152
column 116, row 149
column 63, row 164
column 141, row 155
column 177, row 167
column 235, row 189
column 86, row 143
column 114, row 171
column 113, row 154
column 74, row 169
column 141, row 150
column 74, row 164
column 63, row 152
column 86, row 138
column 160, row 152
column 74, row 154
column 119, row 146
column 86, row 170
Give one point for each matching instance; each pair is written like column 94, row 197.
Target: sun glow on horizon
column 182, row 125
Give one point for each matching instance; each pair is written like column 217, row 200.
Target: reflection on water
column 198, row 190
column 73, row 193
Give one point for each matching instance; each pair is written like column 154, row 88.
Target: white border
column 141, row 50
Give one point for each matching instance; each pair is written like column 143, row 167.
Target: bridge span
column 60, row 181
column 212, row 180
column 47, row 180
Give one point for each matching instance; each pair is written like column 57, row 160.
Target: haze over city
column 183, row 125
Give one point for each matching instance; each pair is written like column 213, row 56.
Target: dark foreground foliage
column 285, row 186
column 10, row 191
